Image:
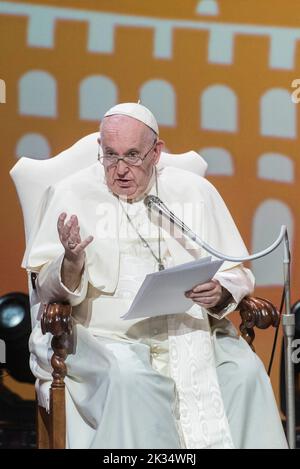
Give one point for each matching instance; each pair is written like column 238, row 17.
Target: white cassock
column 178, row 381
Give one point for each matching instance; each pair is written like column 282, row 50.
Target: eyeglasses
column 133, row 158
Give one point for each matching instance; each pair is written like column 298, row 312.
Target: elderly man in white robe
column 184, row 380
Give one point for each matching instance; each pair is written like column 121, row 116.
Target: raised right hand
column 71, row 240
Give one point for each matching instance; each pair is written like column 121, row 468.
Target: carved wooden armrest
column 256, row 312
column 57, row 320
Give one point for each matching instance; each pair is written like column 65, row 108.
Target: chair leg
column 57, row 418
column 51, row 428
column 43, row 428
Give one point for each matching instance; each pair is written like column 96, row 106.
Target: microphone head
column 151, row 200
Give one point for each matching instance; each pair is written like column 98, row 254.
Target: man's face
column 120, row 136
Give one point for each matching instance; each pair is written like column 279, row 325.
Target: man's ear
column 157, row 150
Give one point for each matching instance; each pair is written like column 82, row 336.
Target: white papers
column 163, row 292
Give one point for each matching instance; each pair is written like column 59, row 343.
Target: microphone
column 288, row 321
column 154, row 202
column 150, row 200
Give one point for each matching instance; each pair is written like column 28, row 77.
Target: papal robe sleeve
column 220, row 232
column 239, row 281
column 201, row 207
column 50, row 287
column 85, row 195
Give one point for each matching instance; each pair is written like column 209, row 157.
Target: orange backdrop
column 217, row 74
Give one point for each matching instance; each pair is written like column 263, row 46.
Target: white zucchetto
column 136, row 111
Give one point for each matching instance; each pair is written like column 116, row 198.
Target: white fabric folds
column 196, row 201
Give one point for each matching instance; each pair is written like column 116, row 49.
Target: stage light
column 17, row 427
column 15, row 328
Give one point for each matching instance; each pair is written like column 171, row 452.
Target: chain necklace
column 144, row 241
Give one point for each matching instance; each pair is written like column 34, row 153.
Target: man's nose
column 122, row 167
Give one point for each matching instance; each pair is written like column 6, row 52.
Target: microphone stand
column 288, row 318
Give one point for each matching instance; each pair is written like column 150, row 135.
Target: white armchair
column 31, row 179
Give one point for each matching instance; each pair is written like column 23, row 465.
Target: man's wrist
column 74, row 264
column 226, row 298
column 71, row 272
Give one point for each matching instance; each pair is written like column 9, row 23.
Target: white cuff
column 239, row 281
column 50, row 287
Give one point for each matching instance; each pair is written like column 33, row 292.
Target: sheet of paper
column 163, row 292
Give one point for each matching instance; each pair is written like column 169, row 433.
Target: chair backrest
column 32, row 177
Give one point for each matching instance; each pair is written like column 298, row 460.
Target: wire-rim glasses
column 132, row 158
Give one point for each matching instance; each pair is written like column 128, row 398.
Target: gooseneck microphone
column 288, row 319
column 154, row 202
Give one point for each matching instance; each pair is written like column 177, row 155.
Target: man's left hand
column 208, row 295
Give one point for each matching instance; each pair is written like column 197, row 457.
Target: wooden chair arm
column 256, row 312
column 57, row 319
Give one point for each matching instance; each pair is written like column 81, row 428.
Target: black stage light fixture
column 17, row 422
column 15, row 328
